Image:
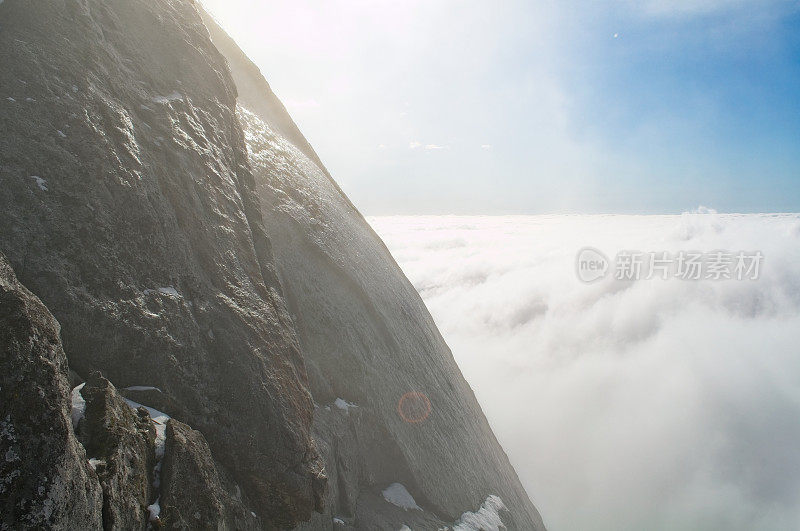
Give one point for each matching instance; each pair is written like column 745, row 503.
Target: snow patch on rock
column 169, row 290
column 41, row 183
column 78, row 406
column 173, row 96
column 165, row 290
column 155, row 510
column 486, row 519
column 396, row 494
column 94, row 463
column 343, row 404
column 159, row 419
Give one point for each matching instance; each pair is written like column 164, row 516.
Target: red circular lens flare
column 414, row 407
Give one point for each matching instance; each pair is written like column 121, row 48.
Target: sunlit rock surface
column 199, row 256
column 128, row 207
column 367, row 339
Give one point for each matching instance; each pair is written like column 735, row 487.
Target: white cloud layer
column 645, row 405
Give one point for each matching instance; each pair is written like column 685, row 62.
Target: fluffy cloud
column 429, row 147
column 661, row 404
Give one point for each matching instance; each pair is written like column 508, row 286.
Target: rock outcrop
column 194, row 493
column 129, row 208
column 45, row 479
column 198, row 254
column 116, row 473
column 120, row 445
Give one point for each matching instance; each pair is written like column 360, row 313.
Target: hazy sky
column 450, row 106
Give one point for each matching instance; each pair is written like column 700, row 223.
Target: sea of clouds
column 655, row 404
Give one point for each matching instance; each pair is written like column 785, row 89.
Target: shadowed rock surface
column 45, row 480
column 108, row 476
column 193, row 492
column 129, row 208
column 120, row 444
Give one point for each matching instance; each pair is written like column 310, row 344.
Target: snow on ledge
column 166, row 290
column 343, row 404
column 159, row 420
column 173, row 96
column 94, row 463
column 155, row 510
column 396, row 494
column 78, row 406
column 169, row 290
column 486, row 519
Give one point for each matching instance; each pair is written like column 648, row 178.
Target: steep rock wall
column 128, row 207
column 366, row 336
column 45, row 480
column 230, row 273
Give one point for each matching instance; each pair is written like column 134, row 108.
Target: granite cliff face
column 199, row 256
column 129, row 207
column 45, row 479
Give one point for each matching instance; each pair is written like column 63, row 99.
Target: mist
column 654, row 404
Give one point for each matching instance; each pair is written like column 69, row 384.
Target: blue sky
column 464, row 107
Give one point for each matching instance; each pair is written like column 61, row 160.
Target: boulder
column 45, row 479
column 120, row 445
column 194, row 492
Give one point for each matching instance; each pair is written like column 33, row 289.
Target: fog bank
column 655, row 404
